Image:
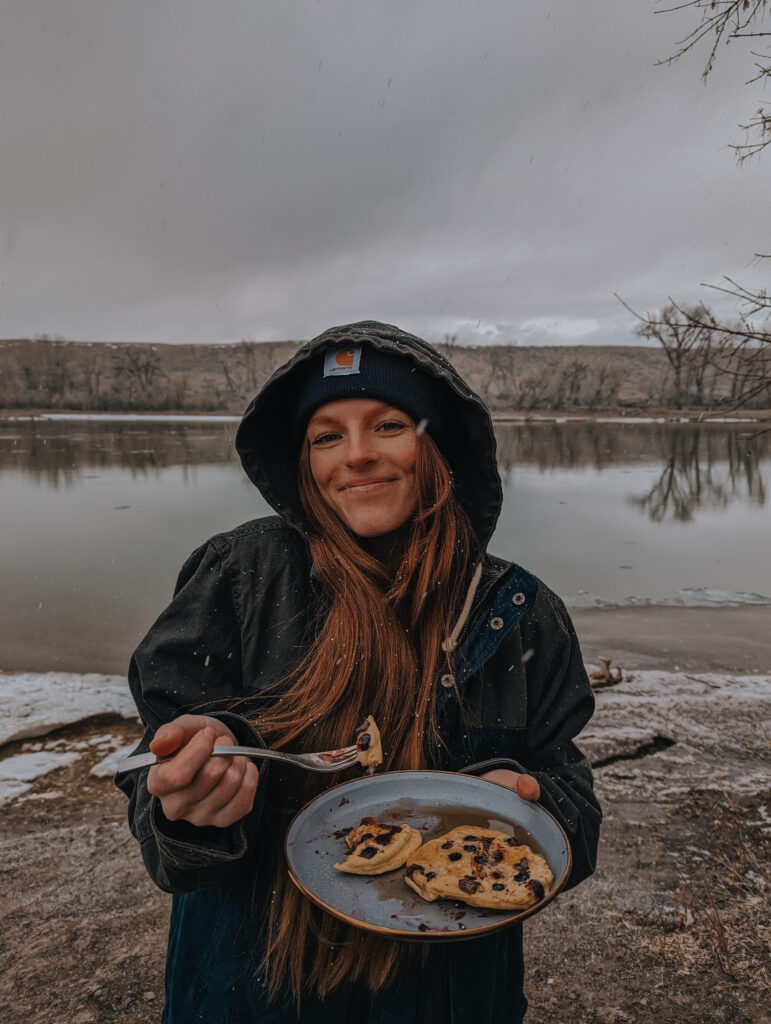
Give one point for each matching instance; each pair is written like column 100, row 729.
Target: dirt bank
column 673, row 927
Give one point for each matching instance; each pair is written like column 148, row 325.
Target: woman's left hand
column 524, row 786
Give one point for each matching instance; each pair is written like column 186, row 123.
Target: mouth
column 366, row 486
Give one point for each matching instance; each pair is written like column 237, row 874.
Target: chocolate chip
column 498, row 887
column 524, row 864
column 367, row 835
column 536, row 888
column 470, row 849
column 430, row 875
column 496, row 874
column 368, row 853
column 385, row 839
column 471, row 839
column 446, row 846
column 468, row 884
column 454, row 856
column 521, row 876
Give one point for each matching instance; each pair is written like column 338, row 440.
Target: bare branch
column 721, row 21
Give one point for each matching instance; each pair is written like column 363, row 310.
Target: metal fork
column 323, row 761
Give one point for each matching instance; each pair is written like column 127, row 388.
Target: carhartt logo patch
column 339, row 361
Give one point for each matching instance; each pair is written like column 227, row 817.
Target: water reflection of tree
column 700, row 474
column 61, row 453
column 704, row 465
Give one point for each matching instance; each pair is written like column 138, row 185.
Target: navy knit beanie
column 360, row 371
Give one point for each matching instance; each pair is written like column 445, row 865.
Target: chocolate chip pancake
column 375, row 849
column 482, row 867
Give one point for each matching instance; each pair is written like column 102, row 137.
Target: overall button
column 447, row 681
column 518, row 598
column 496, row 623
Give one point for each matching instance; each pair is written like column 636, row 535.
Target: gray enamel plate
column 434, row 803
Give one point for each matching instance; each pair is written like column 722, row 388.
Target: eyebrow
column 326, row 420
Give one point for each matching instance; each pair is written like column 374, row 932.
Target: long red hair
column 377, row 652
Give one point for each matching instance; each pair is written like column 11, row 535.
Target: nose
column 359, row 450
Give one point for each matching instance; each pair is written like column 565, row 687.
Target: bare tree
column 606, row 389
column 719, row 22
column 140, row 366
column 532, row 389
column 572, row 376
column 681, row 333
column 92, row 372
column 233, row 384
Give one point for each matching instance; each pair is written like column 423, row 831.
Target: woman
column 369, row 592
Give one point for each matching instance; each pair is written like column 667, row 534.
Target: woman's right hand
column 194, row 786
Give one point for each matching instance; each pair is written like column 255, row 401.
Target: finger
column 231, row 800
column 214, row 784
column 527, row 787
column 173, row 735
column 179, row 772
column 224, row 791
column 168, row 738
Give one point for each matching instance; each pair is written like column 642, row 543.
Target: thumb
column 527, row 787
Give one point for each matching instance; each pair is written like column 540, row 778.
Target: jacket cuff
column 241, row 728
column 494, row 762
column 191, row 847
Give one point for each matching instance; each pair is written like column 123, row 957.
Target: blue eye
column 325, row 438
column 391, row 425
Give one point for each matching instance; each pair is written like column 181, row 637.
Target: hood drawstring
column 451, row 642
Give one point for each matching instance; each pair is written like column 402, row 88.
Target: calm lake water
column 98, row 516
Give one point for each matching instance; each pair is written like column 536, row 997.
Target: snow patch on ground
column 18, row 773
column 37, row 759
column 36, row 703
column 718, row 728
column 688, row 597
column 719, row 725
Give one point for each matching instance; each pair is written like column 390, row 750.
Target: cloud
column 195, row 173
column 562, row 330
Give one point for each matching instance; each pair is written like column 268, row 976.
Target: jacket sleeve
column 559, row 704
column 189, row 662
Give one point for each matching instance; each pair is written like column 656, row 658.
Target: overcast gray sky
column 173, row 170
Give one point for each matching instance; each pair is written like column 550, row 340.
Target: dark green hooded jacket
column 242, row 613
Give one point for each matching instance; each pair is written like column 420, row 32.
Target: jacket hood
column 269, row 457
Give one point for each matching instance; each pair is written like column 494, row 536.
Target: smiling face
column 362, row 459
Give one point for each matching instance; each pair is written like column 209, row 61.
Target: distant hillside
column 107, row 376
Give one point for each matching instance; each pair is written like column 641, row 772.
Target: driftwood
column 603, row 676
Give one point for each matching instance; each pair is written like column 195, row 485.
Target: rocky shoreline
column 674, row 926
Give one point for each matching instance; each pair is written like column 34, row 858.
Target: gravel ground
column 674, row 926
